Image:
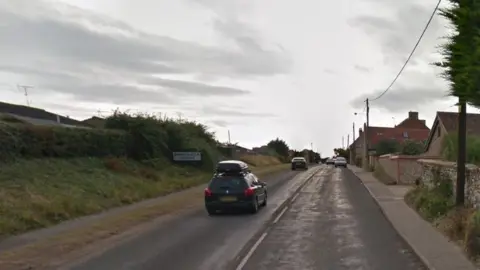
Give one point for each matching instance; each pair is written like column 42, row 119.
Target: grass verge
column 40, row 254
column 460, row 224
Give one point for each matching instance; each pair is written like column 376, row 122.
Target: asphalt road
column 333, row 224
column 193, row 242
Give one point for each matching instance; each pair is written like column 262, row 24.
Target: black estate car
column 234, row 186
column 299, row 163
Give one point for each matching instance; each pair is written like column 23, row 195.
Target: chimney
column 58, row 118
column 360, row 132
column 413, row 115
column 423, row 122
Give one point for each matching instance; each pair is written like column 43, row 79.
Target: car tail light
column 249, row 192
column 208, row 192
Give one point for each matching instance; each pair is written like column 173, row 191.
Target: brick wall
column 434, row 171
column 402, row 168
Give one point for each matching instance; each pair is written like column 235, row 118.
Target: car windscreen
column 298, row 160
column 341, row 159
column 234, row 183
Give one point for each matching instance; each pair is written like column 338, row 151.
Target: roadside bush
column 450, row 148
column 141, row 137
column 472, row 235
column 432, row 203
column 18, row 140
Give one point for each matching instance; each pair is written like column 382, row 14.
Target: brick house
column 411, row 128
column 447, row 123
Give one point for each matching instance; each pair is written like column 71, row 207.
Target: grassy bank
column 39, row 193
column 460, row 224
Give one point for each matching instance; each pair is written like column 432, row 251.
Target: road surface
column 193, row 242
column 332, row 224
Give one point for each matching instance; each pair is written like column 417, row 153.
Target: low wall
column 405, row 170
column 434, row 171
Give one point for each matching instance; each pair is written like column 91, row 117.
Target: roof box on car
column 231, row 166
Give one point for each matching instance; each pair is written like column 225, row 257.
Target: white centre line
column 250, row 252
column 295, row 197
column 280, row 215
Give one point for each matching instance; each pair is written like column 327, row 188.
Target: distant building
column 36, row 116
column 412, row 128
column 447, row 123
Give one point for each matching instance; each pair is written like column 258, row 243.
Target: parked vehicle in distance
column 330, row 161
column 299, row 162
column 234, row 186
column 340, row 162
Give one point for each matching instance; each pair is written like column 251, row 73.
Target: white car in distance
column 340, row 162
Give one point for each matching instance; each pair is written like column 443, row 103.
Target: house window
column 405, row 134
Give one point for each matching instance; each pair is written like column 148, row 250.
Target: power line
column 413, row 51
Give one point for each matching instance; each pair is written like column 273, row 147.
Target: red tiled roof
column 450, row 122
column 377, row 134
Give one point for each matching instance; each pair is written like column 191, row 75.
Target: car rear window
column 228, row 182
column 298, row 159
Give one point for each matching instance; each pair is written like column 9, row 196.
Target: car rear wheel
column 254, row 207
column 264, row 203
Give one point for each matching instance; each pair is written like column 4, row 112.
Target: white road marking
column 250, row 252
column 280, row 215
column 295, row 197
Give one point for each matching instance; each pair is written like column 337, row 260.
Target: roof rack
column 232, row 167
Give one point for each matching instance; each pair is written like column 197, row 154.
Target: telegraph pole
column 367, row 147
column 353, row 133
column 462, row 152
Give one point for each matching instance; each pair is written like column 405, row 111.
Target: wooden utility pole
column 365, row 132
column 462, row 152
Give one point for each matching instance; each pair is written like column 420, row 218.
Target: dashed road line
column 250, row 252
column 280, row 215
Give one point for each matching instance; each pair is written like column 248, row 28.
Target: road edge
column 426, row 261
column 266, row 225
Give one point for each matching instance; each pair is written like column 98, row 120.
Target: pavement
column 196, row 240
column 433, row 248
column 332, row 224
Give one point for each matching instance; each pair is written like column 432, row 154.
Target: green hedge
column 18, row 140
column 140, row 137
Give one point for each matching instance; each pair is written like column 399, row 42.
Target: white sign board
column 187, row 156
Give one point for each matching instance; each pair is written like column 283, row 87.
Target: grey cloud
column 362, row 68
column 112, row 93
column 240, row 112
column 402, row 98
column 194, row 88
column 62, row 48
column 66, row 40
column 220, row 123
column 329, row 71
column 398, row 28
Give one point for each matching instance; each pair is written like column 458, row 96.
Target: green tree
column 410, row 147
column 461, row 65
column 279, row 146
column 342, row 153
column 387, row 146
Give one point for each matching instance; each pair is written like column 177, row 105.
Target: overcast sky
column 297, row 70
